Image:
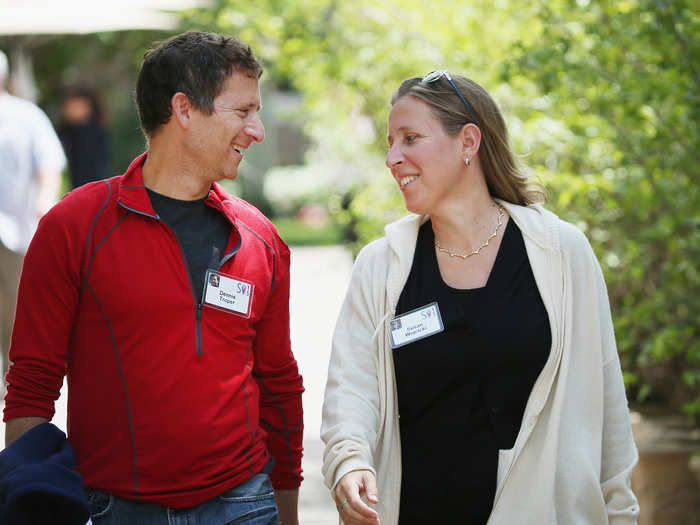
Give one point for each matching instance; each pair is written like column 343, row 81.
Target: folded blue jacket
column 38, row 483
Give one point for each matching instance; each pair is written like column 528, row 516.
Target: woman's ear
column 470, row 136
column 181, row 109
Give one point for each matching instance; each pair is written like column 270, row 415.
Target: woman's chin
column 414, row 207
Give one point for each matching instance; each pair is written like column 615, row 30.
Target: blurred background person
column 84, row 136
column 31, row 160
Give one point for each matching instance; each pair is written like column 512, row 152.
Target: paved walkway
column 319, row 277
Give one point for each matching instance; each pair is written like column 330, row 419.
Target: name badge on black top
column 416, row 324
column 227, row 293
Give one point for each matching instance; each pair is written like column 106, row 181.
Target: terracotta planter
column 667, row 478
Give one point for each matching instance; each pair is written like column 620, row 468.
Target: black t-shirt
column 201, row 230
column 462, row 392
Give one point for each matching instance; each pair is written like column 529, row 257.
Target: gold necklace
column 464, row 255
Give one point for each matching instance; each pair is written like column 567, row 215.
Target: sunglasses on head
column 437, row 75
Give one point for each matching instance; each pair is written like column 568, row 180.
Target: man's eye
column 411, row 138
column 243, row 112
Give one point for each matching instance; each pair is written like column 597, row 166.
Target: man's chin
column 229, row 176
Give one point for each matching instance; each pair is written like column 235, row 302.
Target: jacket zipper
column 197, row 303
column 198, row 329
column 234, row 250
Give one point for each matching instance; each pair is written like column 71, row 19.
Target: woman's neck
column 466, row 225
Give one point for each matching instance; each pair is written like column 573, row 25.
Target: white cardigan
column 574, row 454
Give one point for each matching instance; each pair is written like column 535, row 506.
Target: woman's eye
column 411, row 138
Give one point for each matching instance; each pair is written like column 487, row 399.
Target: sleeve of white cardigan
column 350, row 408
column 619, row 452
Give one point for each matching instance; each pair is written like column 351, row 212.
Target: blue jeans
column 250, row 503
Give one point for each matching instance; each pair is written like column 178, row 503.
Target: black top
column 462, row 392
column 203, row 233
column 86, row 150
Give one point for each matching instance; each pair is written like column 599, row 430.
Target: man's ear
column 470, row 135
column 181, row 109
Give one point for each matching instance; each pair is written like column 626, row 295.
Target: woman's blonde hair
column 504, row 178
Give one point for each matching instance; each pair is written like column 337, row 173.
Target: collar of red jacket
column 132, row 192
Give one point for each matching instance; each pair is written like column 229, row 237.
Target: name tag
column 227, row 293
column 416, row 324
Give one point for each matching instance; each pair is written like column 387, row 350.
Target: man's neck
column 167, row 173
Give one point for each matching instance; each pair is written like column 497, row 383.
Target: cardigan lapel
column 402, row 236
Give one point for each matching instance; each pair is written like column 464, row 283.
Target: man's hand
column 348, row 498
column 287, row 504
column 19, row 425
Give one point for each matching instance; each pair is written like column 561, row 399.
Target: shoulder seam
column 267, row 245
column 94, row 221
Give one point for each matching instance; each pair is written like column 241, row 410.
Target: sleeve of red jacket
column 279, row 381
column 48, row 297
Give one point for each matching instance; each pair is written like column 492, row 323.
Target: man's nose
column 256, row 129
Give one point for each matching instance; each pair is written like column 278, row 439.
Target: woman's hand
column 348, row 494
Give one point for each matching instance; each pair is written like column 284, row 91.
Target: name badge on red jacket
column 228, row 293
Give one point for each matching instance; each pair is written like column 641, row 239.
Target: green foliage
column 624, row 78
column 298, row 233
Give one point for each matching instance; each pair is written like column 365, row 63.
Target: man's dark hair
column 194, row 63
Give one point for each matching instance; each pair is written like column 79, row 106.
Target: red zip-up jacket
column 169, row 401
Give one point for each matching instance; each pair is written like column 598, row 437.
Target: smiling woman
column 474, row 343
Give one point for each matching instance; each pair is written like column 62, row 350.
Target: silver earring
column 466, row 161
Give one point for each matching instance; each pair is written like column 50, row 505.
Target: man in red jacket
column 165, row 300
